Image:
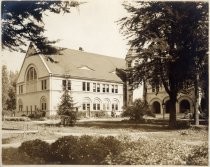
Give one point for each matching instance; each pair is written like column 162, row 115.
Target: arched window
column 43, row 103
column 31, row 80
column 31, row 74
column 97, row 104
column 86, row 104
column 115, row 105
column 184, row 106
column 20, row 105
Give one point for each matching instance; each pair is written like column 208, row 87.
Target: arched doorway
column 156, row 107
column 184, row 106
column 167, row 103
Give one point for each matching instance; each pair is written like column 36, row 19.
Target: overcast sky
column 92, row 26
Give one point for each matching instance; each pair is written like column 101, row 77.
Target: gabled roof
column 84, row 65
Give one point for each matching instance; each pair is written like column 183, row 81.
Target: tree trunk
column 172, row 118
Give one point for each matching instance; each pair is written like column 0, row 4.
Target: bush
column 81, row 114
column 137, row 110
column 16, row 119
column 37, row 115
column 85, row 150
column 99, row 114
column 12, row 156
column 36, row 149
column 198, row 156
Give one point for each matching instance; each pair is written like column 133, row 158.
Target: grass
column 130, row 131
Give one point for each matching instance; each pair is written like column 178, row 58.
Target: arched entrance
column 156, row 107
column 184, row 106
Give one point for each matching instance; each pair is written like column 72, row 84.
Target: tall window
column 116, row 88
column 31, row 80
column 86, row 86
column 31, row 74
column 43, row 104
column 96, row 105
column 98, row 87
column 86, row 104
column 115, row 105
column 66, row 84
column 112, row 88
column 103, row 87
column 94, row 87
column 106, row 105
column 107, row 88
column 44, row 84
column 20, row 89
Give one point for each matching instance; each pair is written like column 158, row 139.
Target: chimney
column 81, row 49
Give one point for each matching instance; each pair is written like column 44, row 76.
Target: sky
column 92, row 26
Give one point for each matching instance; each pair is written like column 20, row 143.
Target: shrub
column 81, row 114
column 36, row 149
column 86, row 150
column 198, row 156
column 37, row 115
column 12, row 156
column 137, row 110
column 99, row 114
column 16, row 119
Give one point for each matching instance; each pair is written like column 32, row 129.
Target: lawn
column 139, row 136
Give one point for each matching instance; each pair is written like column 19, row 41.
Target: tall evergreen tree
column 5, row 87
column 66, row 109
column 22, row 21
column 171, row 40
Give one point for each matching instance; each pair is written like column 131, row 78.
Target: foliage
column 99, row 114
column 198, row 156
column 137, row 110
column 22, row 21
column 16, row 119
column 153, row 152
column 37, row 114
column 36, row 149
column 85, row 149
column 11, row 156
column 5, row 87
column 66, row 109
column 81, row 115
column 171, row 42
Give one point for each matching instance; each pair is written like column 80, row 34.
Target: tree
column 5, row 88
column 66, row 109
column 11, row 101
column 22, row 21
column 171, row 40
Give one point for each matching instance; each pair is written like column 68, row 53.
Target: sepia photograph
column 104, row 82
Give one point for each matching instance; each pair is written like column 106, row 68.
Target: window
column 69, row 85
column 86, row 86
column 20, row 89
column 20, row 105
column 98, row 87
column 96, row 104
column 94, row 87
column 107, row 88
column 112, row 88
column 35, row 108
column 83, row 86
column 44, row 84
column 27, row 109
column 83, row 106
column 106, row 104
column 116, row 88
column 66, row 84
column 43, row 104
column 103, row 87
column 31, row 74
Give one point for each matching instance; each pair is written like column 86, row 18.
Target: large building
column 91, row 78
column 159, row 103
